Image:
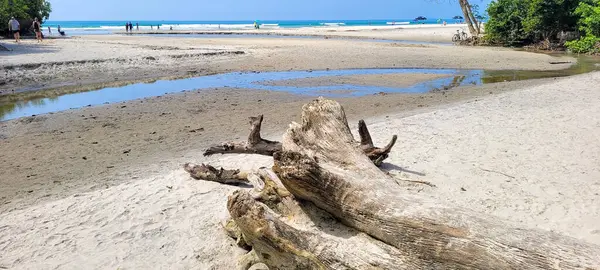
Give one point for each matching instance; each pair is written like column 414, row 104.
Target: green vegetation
column 24, row 11
column 546, row 24
column 505, row 25
column 589, row 25
column 588, row 44
column 524, row 22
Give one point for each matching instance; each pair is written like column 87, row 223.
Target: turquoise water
column 283, row 23
column 107, row 27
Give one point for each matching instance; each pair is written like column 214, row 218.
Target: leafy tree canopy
column 24, row 11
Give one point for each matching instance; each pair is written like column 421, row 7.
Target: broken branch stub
column 254, row 145
column 321, row 163
column 210, row 173
column 376, row 154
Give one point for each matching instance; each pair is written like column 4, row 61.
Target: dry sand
column 528, row 156
column 111, row 59
column 382, row 80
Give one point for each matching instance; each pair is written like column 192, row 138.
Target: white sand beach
column 526, row 156
column 102, row 187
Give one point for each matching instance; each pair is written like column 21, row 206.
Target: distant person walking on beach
column 37, row 28
column 126, row 27
column 49, row 30
column 137, row 26
column 14, row 26
column 130, row 27
column 60, row 32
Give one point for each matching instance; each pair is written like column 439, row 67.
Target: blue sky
column 206, row 10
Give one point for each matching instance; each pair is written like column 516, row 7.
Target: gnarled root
column 301, row 241
column 257, row 145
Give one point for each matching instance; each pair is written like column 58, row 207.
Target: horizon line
column 240, row 20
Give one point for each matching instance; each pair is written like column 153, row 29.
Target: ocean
column 108, row 27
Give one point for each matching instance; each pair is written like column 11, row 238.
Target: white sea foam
column 334, row 24
column 206, row 26
column 180, row 27
column 397, row 23
column 215, row 26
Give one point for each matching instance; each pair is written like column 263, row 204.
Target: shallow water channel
column 252, row 80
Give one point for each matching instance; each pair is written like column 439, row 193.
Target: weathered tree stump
column 322, row 164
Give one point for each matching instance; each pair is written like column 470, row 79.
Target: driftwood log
column 328, row 206
column 257, row 145
column 321, row 163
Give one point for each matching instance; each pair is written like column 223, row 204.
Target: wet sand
column 82, row 61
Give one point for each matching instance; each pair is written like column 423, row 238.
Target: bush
column 547, row 18
column 589, row 44
column 505, row 24
column 589, row 24
column 589, row 14
column 523, row 22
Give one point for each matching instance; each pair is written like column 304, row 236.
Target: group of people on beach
column 129, row 26
column 15, row 27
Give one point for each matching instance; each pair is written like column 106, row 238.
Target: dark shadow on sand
column 22, row 48
column 391, row 167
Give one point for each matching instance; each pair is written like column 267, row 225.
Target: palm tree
column 470, row 18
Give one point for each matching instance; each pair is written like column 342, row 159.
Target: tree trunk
column 282, row 242
column 469, row 17
column 322, row 163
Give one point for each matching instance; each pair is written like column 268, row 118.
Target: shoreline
column 433, row 33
